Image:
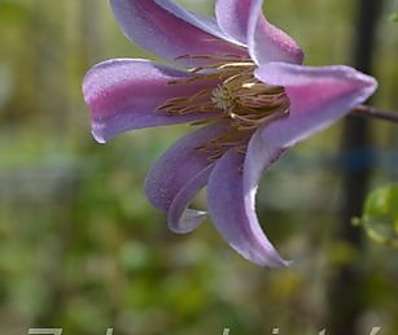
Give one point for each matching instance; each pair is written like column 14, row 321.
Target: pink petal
column 179, row 174
column 124, row 94
column 181, row 219
column 233, row 17
column 318, row 97
column 170, row 31
column 244, row 21
column 234, row 219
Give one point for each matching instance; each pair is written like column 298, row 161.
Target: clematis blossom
column 239, row 81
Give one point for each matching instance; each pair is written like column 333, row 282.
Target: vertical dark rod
column 345, row 291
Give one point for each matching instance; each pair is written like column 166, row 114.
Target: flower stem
column 374, row 113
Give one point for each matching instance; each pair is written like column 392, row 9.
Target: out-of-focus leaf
column 394, row 17
column 6, row 84
column 380, row 218
column 10, row 11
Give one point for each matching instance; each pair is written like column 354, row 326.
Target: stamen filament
column 236, row 97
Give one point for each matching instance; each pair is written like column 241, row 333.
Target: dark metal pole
column 345, row 292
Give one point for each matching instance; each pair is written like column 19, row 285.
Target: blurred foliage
column 12, row 12
column 394, row 17
column 81, row 248
column 380, row 218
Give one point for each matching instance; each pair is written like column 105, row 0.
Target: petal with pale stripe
column 244, row 21
column 233, row 218
column 319, row 96
column 170, row 31
column 124, row 94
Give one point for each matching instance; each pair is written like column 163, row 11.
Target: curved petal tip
column 234, row 216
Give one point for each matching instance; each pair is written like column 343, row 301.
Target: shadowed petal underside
column 179, row 174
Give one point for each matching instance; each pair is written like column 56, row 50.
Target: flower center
column 237, row 98
column 223, row 99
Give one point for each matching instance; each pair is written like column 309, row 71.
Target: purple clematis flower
column 242, row 80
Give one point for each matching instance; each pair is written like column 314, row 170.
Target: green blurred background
column 80, row 247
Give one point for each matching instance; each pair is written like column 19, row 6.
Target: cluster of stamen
column 237, row 97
